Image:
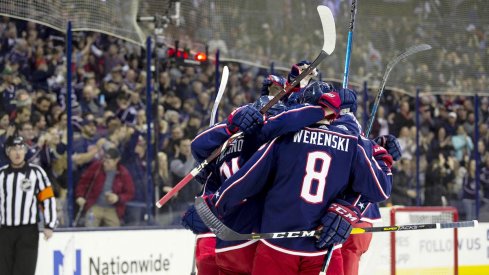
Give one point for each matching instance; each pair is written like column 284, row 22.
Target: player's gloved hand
column 245, row 119
column 390, row 143
column 191, row 220
column 331, row 101
column 348, row 99
column 381, row 154
column 337, row 223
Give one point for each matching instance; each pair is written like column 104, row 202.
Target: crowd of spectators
column 108, row 108
column 284, row 32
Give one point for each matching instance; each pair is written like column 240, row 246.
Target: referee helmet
column 14, row 141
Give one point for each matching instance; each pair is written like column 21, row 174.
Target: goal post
column 416, row 252
column 412, row 255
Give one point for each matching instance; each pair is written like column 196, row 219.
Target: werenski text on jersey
column 322, row 138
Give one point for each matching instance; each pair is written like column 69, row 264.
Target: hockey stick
column 220, row 92
column 329, row 32
column 329, row 37
column 353, row 12
column 390, row 66
column 227, row 234
column 212, row 121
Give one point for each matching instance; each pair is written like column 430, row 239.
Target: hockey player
column 230, row 161
column 303, row 172
column 296, row 70
column 356, row 245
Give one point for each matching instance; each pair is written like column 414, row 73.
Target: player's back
column 312, row 167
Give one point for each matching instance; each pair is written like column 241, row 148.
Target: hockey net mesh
column 417, row 252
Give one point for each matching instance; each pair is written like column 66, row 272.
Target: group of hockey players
column 304, row 165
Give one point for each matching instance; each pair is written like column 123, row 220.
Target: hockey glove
column 337, row 224
column 191, row 220
column 246, row 118
column 331, row 101
column 390, row 143
column 380, row 154
column 348, row 99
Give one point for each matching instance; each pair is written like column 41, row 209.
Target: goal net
column 419, row 252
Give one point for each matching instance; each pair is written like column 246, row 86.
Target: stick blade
column 329, row 28
column 220, row 92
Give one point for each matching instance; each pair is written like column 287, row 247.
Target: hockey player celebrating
column 204, row 140
column 325, row 159
column 347, row 261
column 245, row 119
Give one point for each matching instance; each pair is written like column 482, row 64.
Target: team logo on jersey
column 26, row 185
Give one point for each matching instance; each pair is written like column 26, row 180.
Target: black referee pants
column 18, row 250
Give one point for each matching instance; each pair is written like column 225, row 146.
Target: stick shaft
column 177, row 187
column 346, row 73
column 390, row 66
column 349, row 43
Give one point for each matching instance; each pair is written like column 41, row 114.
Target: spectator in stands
column 54, row 162
column 403, row 192
column 89, row 101
column 469, row 192
column 112, row 59
column 441, row 144
column 439, row 175
column 451, row 124
column 22, row 115
column 484, row 179
column 26, row 130
column 134, row 159
column 407, row 143
column 177, row 134
column 180, row 165
column 125, row 112
column 165, row 181
column 462, row 143
column 88, row 146
column 404, row 118
column 4, row 123
column 104, row 189
column 42, row 106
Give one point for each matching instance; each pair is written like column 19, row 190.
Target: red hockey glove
column 337, row 223
column 331, row 101
column 390, row 143
column 381, row 154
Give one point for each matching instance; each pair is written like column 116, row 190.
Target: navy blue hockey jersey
column 239, row 151
column 370, row 211
column 301, row 173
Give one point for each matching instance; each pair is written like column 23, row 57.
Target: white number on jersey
column 227, row 171
column 315, row 196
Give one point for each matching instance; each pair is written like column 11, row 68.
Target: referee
column 23, row 188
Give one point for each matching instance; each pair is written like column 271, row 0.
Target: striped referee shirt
column 22, row 190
